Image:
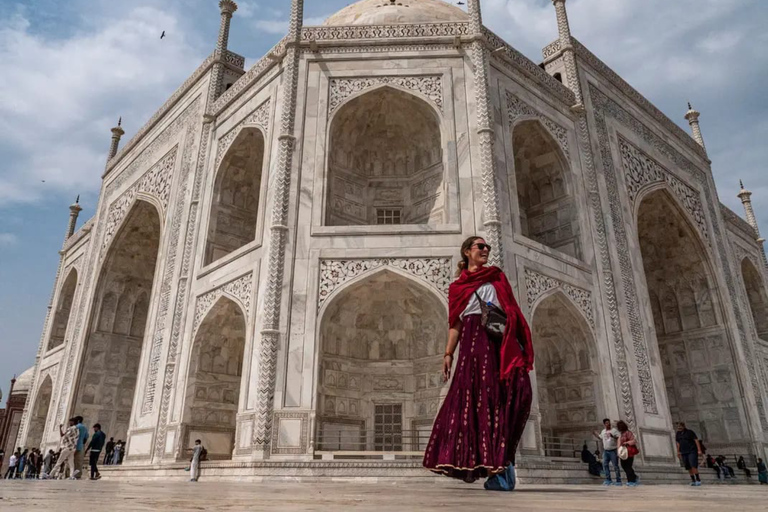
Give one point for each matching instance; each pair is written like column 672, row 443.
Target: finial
column 77, row 200
column 120, row 121
column 741, row 184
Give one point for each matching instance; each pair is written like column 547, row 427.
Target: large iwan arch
column 385, row 163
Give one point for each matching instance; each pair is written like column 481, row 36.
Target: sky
column 70, row 69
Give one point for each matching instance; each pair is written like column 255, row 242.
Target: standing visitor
column 81, row 440
column 109, row 451
column 194, row 462
column 94, row 448
column 12, row 462
column 32, row 464
column 22, row 464
column 47, row 464
column 688, row 450
column 116, row 457
column 2, row 457
column 67, row 455
column 628, row 441
column 610, row 438
column 491, row 385
column 762, row 472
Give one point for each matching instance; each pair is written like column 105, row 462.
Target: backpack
column 203, row 454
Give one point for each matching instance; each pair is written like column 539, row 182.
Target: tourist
column 47, row 464
column 689, row 450
column 81, row 440
column 22, row 464
column 726, row 469
column 589, row 458
column 742, row 465
column 12, row 463
column 31, row 464
column 94, row 450
column 109, row 451
column 116, row 455
column 610, row 438
column 67, row 455
column 194, row 462
column 762, row 472
column 2, row 457
column 627, row 440
column 491, row 383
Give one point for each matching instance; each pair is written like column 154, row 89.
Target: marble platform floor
column 88, row 496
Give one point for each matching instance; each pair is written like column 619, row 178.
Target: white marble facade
column 269, row 262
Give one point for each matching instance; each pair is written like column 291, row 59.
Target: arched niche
column 758, row 302
column 380, row 371
column 699, row 371
column 110, row 364
column 545, row 193
column 385, row 163
column 214, row 380
column 236, row 194
column 39, row 413
column 63, row 310
column 567, row 377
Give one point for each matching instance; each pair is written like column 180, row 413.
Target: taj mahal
column 268, row 265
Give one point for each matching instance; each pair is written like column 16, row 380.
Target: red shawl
column 517, row 333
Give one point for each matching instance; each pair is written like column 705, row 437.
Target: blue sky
column 70, row 69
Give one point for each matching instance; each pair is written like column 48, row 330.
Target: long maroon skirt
column 482, row 419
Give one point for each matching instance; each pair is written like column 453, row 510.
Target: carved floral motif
column 538, row 284
column 429, row 86
column 260, row 116
column 240, row 289
column 517, row 108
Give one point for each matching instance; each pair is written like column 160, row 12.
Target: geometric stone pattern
column 517, row 108
column 430, row 87
column 240, row 289
column 537, row 284
column 333, row 273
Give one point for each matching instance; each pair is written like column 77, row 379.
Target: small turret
column 693, row 119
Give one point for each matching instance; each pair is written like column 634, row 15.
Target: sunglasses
column 483, row 247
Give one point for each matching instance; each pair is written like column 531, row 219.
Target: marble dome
column 384, row 12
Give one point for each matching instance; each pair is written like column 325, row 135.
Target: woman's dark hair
column 621, row 426
column 467, row 245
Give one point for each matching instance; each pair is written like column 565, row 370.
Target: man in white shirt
column 610, row 438
column 12, row 466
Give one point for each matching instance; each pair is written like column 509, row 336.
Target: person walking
column 628, row 442
column 47, row 464
column 81, row 440
column 109, row 451
column 762, row 472
column 688, row 451
column 94, row 450
column 12, row 463
column 481, row 421
column 194, row 462
column 67, row 455
column 610, row 438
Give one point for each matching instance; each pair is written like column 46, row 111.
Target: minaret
column 74, row 212
column 746, row 199
column 693, row 119
column 117, row 132
column 569, row 56
column 228, row 8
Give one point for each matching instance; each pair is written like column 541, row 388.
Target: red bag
column 632, row 450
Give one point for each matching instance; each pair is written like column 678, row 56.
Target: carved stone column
column 746, row 200
column 270, row 333
column 117, row 133
column 569, row 57
column 485, row 132
column 693, row 119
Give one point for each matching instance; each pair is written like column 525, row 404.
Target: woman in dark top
column 762, row 472
column 479, row 425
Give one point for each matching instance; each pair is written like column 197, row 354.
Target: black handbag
column 493, row 319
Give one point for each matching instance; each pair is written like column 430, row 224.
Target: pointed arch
column 756, row 295
column 39, row 413
column 235, row 206
column 385, row 163
column 109, row 366
column 63, row 310
column 215, row 378
column 545, row 190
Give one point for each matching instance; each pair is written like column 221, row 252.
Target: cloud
column 8, row 239
column 60, row 96
column 281, row 26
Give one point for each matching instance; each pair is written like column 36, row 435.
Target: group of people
column 619, row 448
column 29, row 464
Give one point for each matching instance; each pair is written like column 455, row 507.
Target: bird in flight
column 162, row 35
column 460, row 3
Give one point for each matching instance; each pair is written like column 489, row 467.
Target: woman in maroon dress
column 480, row 423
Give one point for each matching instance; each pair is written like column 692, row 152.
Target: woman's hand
column 447, row 363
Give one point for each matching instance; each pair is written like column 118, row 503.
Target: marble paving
column 100, row 496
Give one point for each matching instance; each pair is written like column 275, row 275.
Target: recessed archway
column 566, row 376
column 545, row 193
column 236, row 193
column 699, row 371
column 63, row 309
column 385, row 162
column 380, row 381
column 110, row 365
column 758, row 302
column 214, row 380
column 39, row 413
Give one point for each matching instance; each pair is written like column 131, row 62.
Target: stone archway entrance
column 566, row 376
column 110, row 364
column 699, row 370
column 380, row 372
column 39, row 413
column 63, row 308
column 213, row 385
